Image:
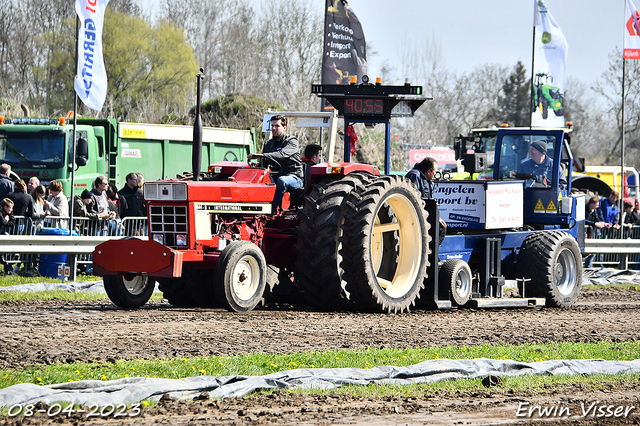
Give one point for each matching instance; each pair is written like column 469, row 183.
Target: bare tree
column 609, row 88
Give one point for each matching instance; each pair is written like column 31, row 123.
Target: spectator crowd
column 28, row 207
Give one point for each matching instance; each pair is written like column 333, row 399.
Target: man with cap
column 80, row 206
column 539, row 166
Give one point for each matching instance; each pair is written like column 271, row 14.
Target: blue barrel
column 49, row 262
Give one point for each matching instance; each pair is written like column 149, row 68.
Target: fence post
column 73, row 264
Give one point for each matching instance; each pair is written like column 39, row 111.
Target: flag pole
column 624, row 74
column 531, row 93
column 73, row 137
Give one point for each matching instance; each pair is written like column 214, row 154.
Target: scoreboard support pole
column 387, row 140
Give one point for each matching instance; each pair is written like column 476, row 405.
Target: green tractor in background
column 546, row 96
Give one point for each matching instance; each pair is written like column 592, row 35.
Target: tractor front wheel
column 240, row 276
column 129, row 291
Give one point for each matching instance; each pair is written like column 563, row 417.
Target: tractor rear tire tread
column 317, row 248
column 361, row 280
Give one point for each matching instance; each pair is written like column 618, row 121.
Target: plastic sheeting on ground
column 83, row 286
column 79, row 286
column 136, row 389
column 608, row 276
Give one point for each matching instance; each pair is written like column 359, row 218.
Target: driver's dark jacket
column 284, row 150
column 541, row 171
column 421, row 182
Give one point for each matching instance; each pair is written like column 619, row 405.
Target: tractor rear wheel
column 456, row 275
column 192, row 289
column 544, row 107
column 240, row 276
column 129, row 292
column 385, row 246
column 318, row 246
column 552, row 262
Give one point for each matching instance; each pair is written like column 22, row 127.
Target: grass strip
column 261, row 363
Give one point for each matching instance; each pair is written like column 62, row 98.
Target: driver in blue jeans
column 282, row 153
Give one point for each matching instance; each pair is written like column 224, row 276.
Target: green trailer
column 41, row 147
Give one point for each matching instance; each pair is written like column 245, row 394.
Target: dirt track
column 46, row 332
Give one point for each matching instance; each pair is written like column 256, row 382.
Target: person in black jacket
column 134, row 204
column 311, row 157
column 6, row 184
column 8, row 222
column 282, row 152
column 422, row 176
column 22, row 202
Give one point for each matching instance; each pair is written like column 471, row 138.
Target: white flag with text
column 91, row 77
column 550, row 58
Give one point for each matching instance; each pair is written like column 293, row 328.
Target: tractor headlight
column 158, row 238
column 165, row 191
column 181, row 240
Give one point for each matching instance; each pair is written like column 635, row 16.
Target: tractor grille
column 169, row 221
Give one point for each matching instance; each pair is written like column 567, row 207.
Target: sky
column 472, row 32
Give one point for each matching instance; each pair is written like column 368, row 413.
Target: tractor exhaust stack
column 196, row 156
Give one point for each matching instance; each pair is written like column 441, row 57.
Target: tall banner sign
column 631, row 32
column 345, row 50
column 91, row 77
column 550, row 58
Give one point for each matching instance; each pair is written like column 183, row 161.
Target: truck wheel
column 129, row 292
column 385, row 246
column 318, row 246
column 240, row 276
column 552, row 260
column 456, row 275
column 193, row 289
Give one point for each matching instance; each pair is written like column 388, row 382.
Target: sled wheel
column 456, row 274
column 385, row 247
column 129, row 291
column 240, row 276
column 552, row 262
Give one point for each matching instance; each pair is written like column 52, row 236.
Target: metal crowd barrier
column 610, row 247
column 56, row 229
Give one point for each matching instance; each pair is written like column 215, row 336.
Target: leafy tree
column 235, row 111
column 146, row 64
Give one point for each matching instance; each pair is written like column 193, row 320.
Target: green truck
column 42, row 147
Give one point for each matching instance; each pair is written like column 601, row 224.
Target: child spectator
column 8, row 220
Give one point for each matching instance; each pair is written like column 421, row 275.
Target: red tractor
column 359, row 240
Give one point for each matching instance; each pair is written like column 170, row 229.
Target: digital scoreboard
column 363, row 106
column 371, row 101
